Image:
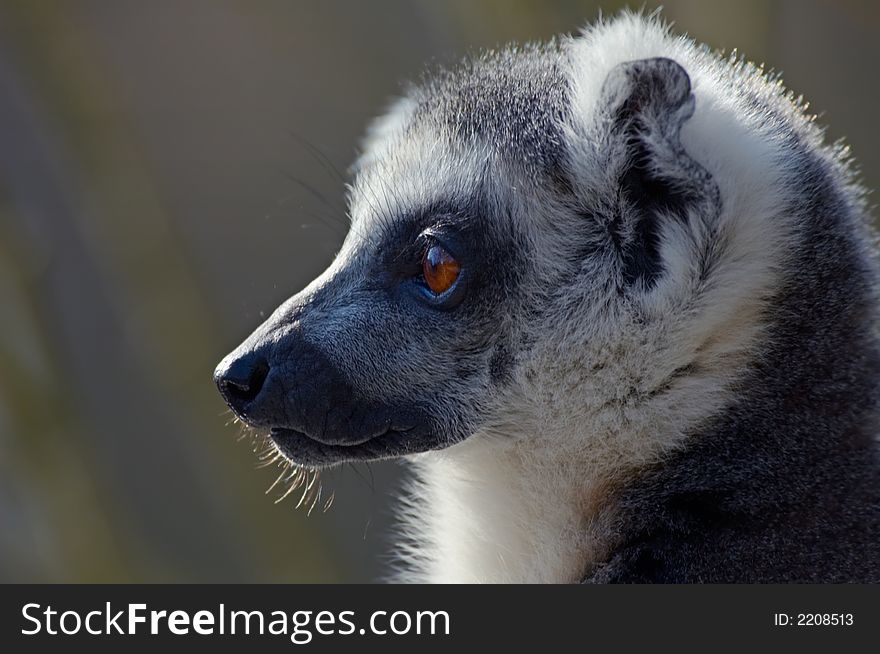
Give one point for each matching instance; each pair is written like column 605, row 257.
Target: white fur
column 522, row 500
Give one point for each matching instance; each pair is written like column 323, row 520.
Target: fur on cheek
column 612, row 382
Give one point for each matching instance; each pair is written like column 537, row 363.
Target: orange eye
column 440, row 269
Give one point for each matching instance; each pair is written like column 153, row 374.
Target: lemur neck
column 488, row 514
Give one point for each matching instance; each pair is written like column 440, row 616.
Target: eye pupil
column 440, row 269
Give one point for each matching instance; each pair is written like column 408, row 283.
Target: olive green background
column 169, row 172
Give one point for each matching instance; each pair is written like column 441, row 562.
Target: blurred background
column 169, row 173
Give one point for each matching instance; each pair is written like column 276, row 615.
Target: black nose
column 241, row 379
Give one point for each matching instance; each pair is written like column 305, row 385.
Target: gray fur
column 515, row 99
column 784, row 485
column 659, row 362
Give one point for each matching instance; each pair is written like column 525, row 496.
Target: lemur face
column 398, row 346
column 401, row 345
column 482, row 260
column 395, row 348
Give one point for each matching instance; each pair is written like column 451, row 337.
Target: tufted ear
column 646, row 103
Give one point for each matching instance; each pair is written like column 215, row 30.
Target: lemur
column 615, row 300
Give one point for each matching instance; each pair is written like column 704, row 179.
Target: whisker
column 268, row 461
column 315, row 501
column 313, row 191
column 372, row 478
column 291, row 477
column 320, row 157
column 287, row 492
column 307, row 491
column 275, row 483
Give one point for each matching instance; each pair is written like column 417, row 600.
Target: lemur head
column 566, row 243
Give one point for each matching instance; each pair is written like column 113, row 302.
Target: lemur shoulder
column 615, row 300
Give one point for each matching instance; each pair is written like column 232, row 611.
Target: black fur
column 648, row 101
column 785, row 485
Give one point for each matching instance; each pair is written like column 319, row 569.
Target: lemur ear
column 647, row 102
column 656, row 88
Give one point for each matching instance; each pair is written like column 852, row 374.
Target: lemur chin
column 615, row 300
